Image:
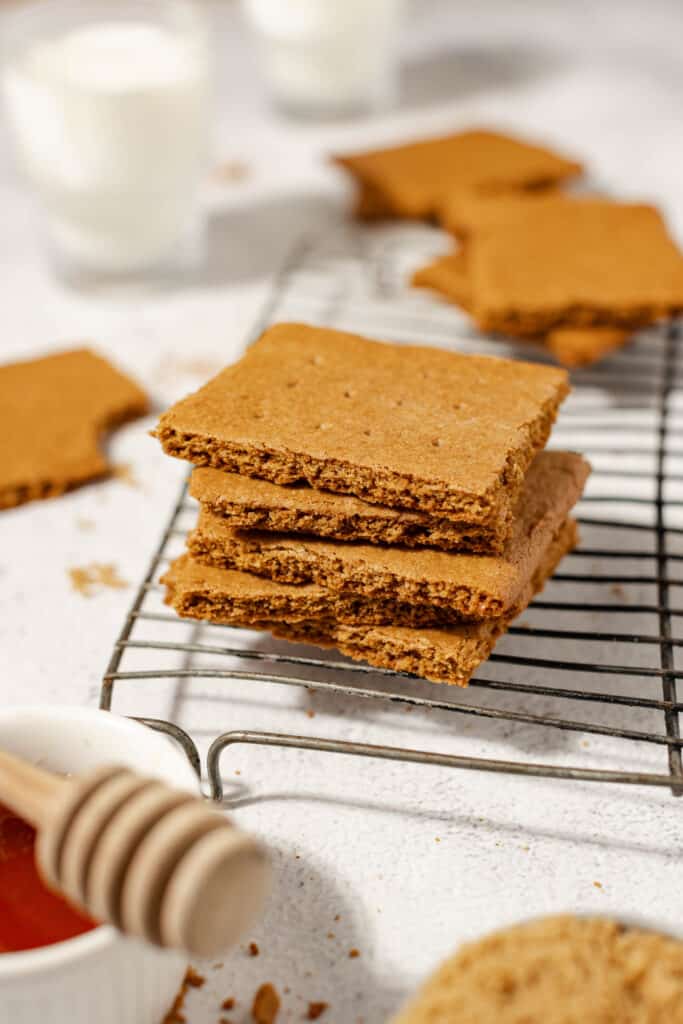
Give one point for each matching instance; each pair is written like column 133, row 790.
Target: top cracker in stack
column 319, row 434
column 409, row 428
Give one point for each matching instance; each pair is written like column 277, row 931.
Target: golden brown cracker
column 456, row 585
column 574, row 347
column 414, row 179
column 468, row 212
column 53, row 413
column 446, row 655
column 401, row 426
column 577, row 263
column 250, row 504
column 449, row 276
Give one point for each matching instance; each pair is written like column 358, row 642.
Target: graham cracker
column 449, row 276
column 53, row 413
column 556, row 970
column 414, row 179
column 572, row 346
column 200, row 590
column 246, row 503
column 466, row 213
column 460, row 586
column 577, row 263
column 448, row 655
column 401, row 426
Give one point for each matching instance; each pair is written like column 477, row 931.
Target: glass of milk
column 328, row 57
column 108, row 103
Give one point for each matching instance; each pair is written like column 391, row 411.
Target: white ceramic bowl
column 99, row 977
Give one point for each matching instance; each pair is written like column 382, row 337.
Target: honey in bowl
column 31, row 915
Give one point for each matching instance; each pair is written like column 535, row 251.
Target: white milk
column 110, row 120
column 328, row 56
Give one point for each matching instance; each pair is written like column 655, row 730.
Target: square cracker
column 413, row 180
column 577, row 263
column 401, row 426
column 572, row 346
column 449, row 276
column 53, row 412
column 246, row 503
column 459, row 586
column 447, row 655
column 466, row 213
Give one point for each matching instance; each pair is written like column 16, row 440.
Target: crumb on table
column 231, row 171
column 124, row 472
column 266, row 1005
column 253, row 949
column 175, row 1014
column 84, row 578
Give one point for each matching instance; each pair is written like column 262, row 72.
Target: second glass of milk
column 328, row 57
column 108, row 102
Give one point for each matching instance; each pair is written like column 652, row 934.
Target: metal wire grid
column 611, row 620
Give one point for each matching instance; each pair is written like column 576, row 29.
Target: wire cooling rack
column 595, row 656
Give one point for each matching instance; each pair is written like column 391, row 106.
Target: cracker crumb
column 266, row 1005
column 231, row 171
column 125, row 473
column 85, row 579
column 316, row 1010
column 228, row 1004
column 330, row 935
column 436, row 839
column 353, row 953
column 85, row 524
column 175, row 1014
column 617, row 590
column 337, row 917
column 597, row 885
column 174, row 367
column 253, row 949
column 310, row 712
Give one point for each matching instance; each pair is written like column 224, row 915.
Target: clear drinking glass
column 328, row 57
column 108, row 105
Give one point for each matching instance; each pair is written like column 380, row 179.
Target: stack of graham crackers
column 577, row 274
column 394, row 502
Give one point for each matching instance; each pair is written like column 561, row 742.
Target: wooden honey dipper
column 153, row 861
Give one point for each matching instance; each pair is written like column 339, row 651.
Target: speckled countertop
column 399, row 862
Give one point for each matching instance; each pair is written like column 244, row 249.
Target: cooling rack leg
column 179, row 736
column 106, row 694
column 273, row 739
column 663, row 591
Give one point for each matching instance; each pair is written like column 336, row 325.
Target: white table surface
column 413, row 859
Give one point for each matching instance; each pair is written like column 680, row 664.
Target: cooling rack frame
column 381, row 259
